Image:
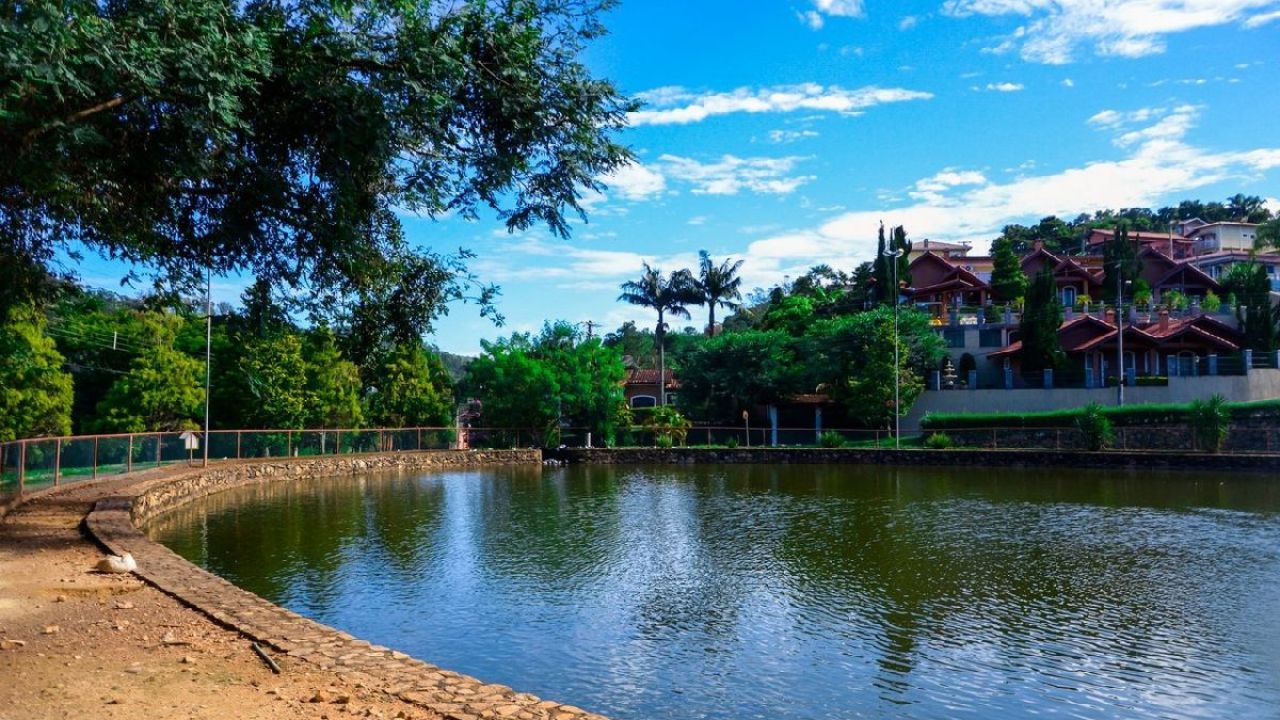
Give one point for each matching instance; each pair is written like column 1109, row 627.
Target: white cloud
column 1004, row 87
column 731, row 175
column 1068, row 83
column 790, row 136
column 1258, row 21
column 677, row 106
column 823, row 9
column 961, row 205
column 1124, row 28
column 698, row 220
column 635, row 182
column 1171, row 123
column 908, row 22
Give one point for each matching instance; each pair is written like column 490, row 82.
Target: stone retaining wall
column 115, row 523
column 946, row 458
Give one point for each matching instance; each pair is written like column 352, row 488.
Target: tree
column 164, row 388
column 1247, row 208
column 275, row 376
column 668, row 295
column 1041, row 318
column 851, row 358
column 412, row 389
column 1251, row 286
column 792, row 314
column 333, row 384
column 884, row 266
column 1120, row 256
column 717, row 285
column 1008, row 282
column 557, row 376
column 737, row 371
column 35, row 392
column 282, row 138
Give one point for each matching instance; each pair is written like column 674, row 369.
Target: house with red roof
column 1153, row 345
column 945, row 282
column 640, row 387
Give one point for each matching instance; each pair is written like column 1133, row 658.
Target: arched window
column 644, row 401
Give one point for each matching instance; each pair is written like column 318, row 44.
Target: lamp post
column 897, row 379
column 1120, row 377
column 208, row 348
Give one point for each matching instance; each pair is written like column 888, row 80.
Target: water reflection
column 787, row 592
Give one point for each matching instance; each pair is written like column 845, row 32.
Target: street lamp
column 897, row 380
column 1120, row 374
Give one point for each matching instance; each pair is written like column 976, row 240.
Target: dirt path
column 75, row 643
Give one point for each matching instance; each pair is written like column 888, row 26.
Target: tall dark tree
column 283, row 138
column 718, row 285
column 884, row 266
column 1041, row 318
column 1008, row 282
column 1120, row 256
column 668, row 295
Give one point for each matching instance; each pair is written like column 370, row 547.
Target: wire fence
column 35, row 464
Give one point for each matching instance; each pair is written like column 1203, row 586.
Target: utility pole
column 897, row 380
column 1120, row 375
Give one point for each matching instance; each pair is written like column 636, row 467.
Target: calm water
column 788, row 592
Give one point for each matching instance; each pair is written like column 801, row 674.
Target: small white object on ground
column 118, row 564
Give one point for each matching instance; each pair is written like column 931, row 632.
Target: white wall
column 1257, row 385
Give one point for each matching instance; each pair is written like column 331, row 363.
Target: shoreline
column 385, row 682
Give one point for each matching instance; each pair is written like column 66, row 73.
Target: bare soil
column 75, row 643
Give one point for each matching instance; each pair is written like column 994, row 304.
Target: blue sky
column 784, row 132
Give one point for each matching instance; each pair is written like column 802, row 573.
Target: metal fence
column 35, row 464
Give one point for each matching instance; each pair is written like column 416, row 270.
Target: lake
column 787, row 591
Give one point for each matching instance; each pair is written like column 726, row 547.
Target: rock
column 170, row 639
column 125, row 605
column 60, row 599
column 51, row 630
column 321, row 697
column 12, row 644
column 188, row 660
column 117, row 564
column 343, row 699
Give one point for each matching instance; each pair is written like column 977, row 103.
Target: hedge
column 1124, row 416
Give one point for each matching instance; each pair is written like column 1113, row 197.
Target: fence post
column 159, row 446
column 237, row 444
column 288, row 443
column 128, row 462
column 95, row 458
column 419, row 439
column 57, row 462
column 382, row 442
column 995, row 440
column 22, row 467
column 337, row 444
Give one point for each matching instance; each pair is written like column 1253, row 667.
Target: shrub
column 992, row 314
column 732, row 442
column 938, row 441
column 1209, row 420
column 667, row 425
column 832, row 440
column 1212, row 303
column 1096, row 427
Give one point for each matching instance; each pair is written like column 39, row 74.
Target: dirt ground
column 75, row 643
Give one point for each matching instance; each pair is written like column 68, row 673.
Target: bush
column 938, row 441
column 832, row 440
column 732, row 442
column 666, row 423
column 1209, row 420
column 1212, row 303
column 1096, row 427
column 992, row 314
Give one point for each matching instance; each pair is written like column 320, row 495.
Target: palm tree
column 668, row 295
column 1242, row 207
column 717, row 285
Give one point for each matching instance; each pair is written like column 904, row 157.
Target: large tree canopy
column 281, row 137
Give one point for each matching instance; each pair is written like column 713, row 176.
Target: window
column 644, row 401
column 991, row 337
column 954, row 337
column 1068, row 296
